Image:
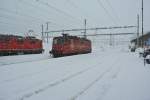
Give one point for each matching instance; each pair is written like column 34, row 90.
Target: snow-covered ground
column 108, row 73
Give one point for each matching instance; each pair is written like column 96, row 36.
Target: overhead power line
column 58, row 10
column 40, row 8
column 9, row 26
column 14, row 19
column 26, row 17
column 81, row 10
column 20, row 14
column 114, row 12
column 98, row 28
column 4, row 23
column 106, row 34
column 106, row 11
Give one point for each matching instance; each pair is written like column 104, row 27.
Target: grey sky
column 18, row 16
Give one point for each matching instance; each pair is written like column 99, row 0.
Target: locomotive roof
column 71, row 37
column 31, row 37
column 15, row 36
column 8, row 37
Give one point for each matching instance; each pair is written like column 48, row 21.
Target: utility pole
column 142, row 26
column 111, row 40
column 137, row 30
column 63, row 32
column 42, row 33
column 47, row 31
column 142, row 34
column 85, row 28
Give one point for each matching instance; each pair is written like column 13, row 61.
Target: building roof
column 145, row 37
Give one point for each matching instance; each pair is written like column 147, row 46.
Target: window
column 32, row 42
column 20, row 41
column 58, row 41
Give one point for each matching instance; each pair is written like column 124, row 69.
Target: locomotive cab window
column 71, row 41
column 82, row 40
column 33, row 42
column 58, row 41
column 20, row 40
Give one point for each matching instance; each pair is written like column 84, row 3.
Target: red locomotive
column 11, row 44
column 70, row 45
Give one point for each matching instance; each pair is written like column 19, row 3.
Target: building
column 145, row 38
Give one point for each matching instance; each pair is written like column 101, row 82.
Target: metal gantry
column 97, row 28
column 93, row 29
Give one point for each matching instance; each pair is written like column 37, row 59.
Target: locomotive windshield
column 58, row 40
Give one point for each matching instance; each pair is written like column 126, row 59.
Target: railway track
column 52, row 84
column 90, row 85
column 28, row 95
column 94, row 82
column 3, row 64
column 29, row 74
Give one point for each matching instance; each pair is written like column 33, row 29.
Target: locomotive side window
column 20, row 40
column 82, row 40
column 71, row 41
column 4, row 39
column 33, row 42
column 55, row 41
column 58, row 41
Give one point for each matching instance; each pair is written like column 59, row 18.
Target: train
column 13, row 44
column 70, row 45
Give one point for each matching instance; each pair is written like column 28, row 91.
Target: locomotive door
column 72, row 44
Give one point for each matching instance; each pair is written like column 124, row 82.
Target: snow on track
column 59, row 81
column 21, row 73
column 81, row 77
column 86, row 80
column 15, row 59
